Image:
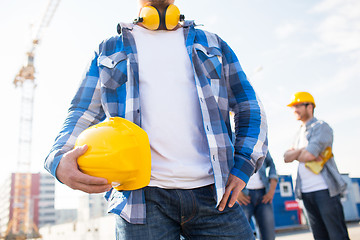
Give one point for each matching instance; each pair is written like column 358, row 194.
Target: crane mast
column 21, row 225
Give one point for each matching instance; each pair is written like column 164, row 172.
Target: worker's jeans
column 190, row 213
column 263, row 213
column 326, row 215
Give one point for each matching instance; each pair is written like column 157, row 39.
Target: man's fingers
column 90, row 180
column 87, row 183
column 235, row 193
column 92, row 188
column 243, row 199
column 84, row 178
column 78, row 151
column 233, row 188
column 242, row 202
column 267, row 198
column 68, row 172
column 224, row 200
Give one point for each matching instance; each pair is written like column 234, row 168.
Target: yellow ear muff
column 150, row 17
column 172, row 17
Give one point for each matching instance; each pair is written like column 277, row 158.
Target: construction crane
column 21, row 225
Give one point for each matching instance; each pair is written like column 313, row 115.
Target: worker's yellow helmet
column 301, row 97
column 119, row 151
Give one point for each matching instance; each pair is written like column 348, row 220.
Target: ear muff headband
column 152, row 19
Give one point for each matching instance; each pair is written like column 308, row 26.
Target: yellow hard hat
column 301, row 97
column 119, row 151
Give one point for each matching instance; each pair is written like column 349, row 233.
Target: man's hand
column 291, row 155
column 319, row 159
column 268, row 197
column 234, row 186
column 243, row 199
column 69, row 174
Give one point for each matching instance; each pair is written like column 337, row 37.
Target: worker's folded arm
column 306, row 156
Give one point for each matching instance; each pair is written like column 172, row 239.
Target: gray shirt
column 319, row 135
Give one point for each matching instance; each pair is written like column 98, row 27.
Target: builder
column 178, row 83
column 321, row 191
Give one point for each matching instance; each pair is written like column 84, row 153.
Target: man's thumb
column 78, row 151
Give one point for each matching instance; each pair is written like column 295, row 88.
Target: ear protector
column 153, row 19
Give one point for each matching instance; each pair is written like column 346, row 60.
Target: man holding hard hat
column 319, row 183
column 178, row 83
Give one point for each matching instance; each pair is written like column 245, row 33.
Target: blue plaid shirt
column 111, row 88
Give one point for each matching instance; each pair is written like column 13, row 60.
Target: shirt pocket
column 113, row 70
column 210, row 60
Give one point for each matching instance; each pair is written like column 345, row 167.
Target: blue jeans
column 263, row 213
column 191, row 213
column 326, row 215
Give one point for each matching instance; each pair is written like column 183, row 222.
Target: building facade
column 65, row 215
column 41, row 203
column 5, row 193
column 46, row 208
column 91, row 206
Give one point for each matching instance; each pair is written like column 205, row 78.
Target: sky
column 284, row 46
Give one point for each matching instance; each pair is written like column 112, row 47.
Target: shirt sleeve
column 250, row 119
column 320, row 138
column 271, row 165
column 85, row 110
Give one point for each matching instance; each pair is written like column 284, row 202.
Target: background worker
column 319, row 192
column 178, row 83
column 256, row 198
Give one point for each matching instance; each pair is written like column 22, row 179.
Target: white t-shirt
column 310, row 182
column 170, row 111
column 255, row 182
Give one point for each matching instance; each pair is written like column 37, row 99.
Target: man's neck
column 176, row 28
column 306, row 120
